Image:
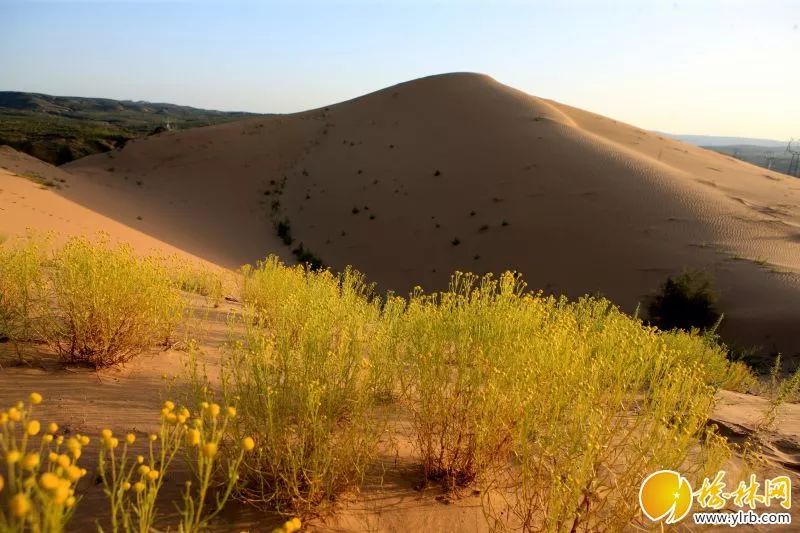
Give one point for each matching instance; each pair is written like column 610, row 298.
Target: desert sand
column 450, row 172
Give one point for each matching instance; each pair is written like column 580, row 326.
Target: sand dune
column 459, row 172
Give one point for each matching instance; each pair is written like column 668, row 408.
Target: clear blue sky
column 687, row 66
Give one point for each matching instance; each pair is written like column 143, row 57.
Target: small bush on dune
column 197, row 279
column 582, row 399
column 21, row 274
column 304, row 376
column 685, row 301
column 90, row 303
column 109, row 304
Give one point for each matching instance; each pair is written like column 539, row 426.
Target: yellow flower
column 74, row 473
column 49, row 481
column 70, row 501
column 130, row 438
column 35, row 398
column 153, row 437
column 59, row 440
column 171, row 418
column 52, row 427
column 126, row 486
column 209, row 449
column 169, row 406
column 53, row 457
column 106, row 434
column 2, row 483
column 14, row 414
column 152, row 475
column 13, row 456
column 3, row 418
column 290, row 526
column 192, row 437
column 248, row 444
column 20, row 505
column 63, row 461
column 74, row 446
column 61, row 493
column 47, row 439
column 138, row 486
column 33, row 428
column 140, row 459
column 231, row 411
column 143, row 470
column 31, row 461
column 84, row 440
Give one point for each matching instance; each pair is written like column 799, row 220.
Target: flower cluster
column 41, row 471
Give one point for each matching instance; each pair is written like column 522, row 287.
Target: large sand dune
column 391, row 181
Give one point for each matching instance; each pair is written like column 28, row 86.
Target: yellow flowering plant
column 39, row 471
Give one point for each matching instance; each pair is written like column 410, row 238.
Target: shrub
column 565, row 404
column 307, row 257
column 88, row 302
column 197, row 279
column 304, row 375
column 686, row 301
column 284, row 231
column 109, row 304
column 21, row 290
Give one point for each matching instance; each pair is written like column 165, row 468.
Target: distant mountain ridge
column 718, row 140
column 60, row 129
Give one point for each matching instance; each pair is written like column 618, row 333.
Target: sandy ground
column 388, row 182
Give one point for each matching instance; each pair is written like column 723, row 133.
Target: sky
column 690, row 66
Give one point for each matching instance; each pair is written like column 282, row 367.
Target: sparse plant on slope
column 197, row 279
column 21, row 290
column 685, row 301
column 91, row 303
column 109, row 305
column 303, row 373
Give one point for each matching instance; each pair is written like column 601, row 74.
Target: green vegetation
column 685, row 302
column 60, row 129
column 554, row 409
column 90, row 303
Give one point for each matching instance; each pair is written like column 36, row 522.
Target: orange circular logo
column 665, row 495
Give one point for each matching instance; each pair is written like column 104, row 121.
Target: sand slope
column 390, row 181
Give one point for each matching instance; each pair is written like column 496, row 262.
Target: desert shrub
column 197, row 279
column 303, row 373
column 284, row 231
column 307, row 257
column 453, row 347
column 108, row 304
column 566, row 404
column 21, row 290
column 684, row 302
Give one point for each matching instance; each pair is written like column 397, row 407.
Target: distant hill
column 766, row 153
column 60, row 129
column 716, row 140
